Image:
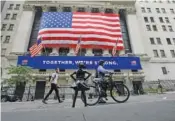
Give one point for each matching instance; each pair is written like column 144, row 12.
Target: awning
column 71, row 62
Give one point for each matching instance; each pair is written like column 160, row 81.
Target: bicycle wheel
column 92, row 95
column 120, row 93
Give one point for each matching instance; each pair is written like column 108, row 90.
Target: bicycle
column 96, row 92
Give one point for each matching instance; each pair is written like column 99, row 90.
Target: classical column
column 59, row 8
column 135, row 31
column 89, row 52
column 71, row 52
column 54, row 52
column 106, row 53
column 45, row 8
column 22, row 36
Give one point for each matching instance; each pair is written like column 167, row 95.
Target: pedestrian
column 80, row 84
column 54, row 86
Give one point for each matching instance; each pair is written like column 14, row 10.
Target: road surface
column 138, row 108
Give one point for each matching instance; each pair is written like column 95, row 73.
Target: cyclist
column 101, row 71
column 80, row 83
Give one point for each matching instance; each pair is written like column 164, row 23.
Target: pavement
column 137, row 108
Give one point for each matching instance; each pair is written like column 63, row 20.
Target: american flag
column 78, row 46
column 36, row 48
column 99, row 30
column 114, row 49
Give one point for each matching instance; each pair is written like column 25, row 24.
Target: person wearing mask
column 80, row 78
column 54, row 86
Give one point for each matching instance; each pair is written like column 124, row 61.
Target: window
column 67, row 9
column 3, row 51
column 152, row 41
column 7, row 16
column 161, row 19
column 163, row 10
column 149, row 10
column 148, row 27
column 11, row 27
column 1, row 38
column 82, row 52
column 14, row 16
column 95, row 10
column 143, row 10
column 168, row 41
column 52, row 9
column 158, row 41
column 170, row 28
column 152, row 19
column 17, row 6
column 154, row 28
column 81, row 10
column 162, row 53
column 10, row 6
column 157, row 10
column 172, row 53
column 167, row 20
column 63, row 51
column 155, row 52
column 174, row 40
column 97, row 52
column 164, row 70
column 7, row 39
column 108, row 10
column 172, row 11
column 146, row 19
column 164, row 28
column 3, row 27
column 62, row 70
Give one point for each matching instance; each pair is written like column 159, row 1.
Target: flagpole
column 80, row 45
column 44, row 48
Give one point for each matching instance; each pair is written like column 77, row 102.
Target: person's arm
column 53, row 77
column 72, row 76
column 89, row 74
column 101, row 69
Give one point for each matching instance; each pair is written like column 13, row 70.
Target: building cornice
column 129, row 6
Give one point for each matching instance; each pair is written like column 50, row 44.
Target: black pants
column 75, row 97
column 53, row 87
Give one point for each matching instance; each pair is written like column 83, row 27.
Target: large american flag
column 99, row 30
column 36, row 48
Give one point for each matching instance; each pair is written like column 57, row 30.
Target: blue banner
column 71, row 62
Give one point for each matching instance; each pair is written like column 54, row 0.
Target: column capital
column 28, row 7
column 45, row 8
column 131, row 10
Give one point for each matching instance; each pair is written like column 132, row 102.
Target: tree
column 20, row 74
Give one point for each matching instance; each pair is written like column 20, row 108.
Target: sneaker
column 44, row 101
column 102, row 101
column 60, row 101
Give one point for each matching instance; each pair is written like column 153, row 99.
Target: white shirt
column 54, row 78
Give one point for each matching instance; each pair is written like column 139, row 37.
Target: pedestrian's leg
column 75, row 97
column 50, row 92
column 84, row 96
column 57, row 94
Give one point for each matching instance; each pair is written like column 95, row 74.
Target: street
column 138, row 108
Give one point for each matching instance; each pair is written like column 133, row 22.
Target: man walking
column 53, row 81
